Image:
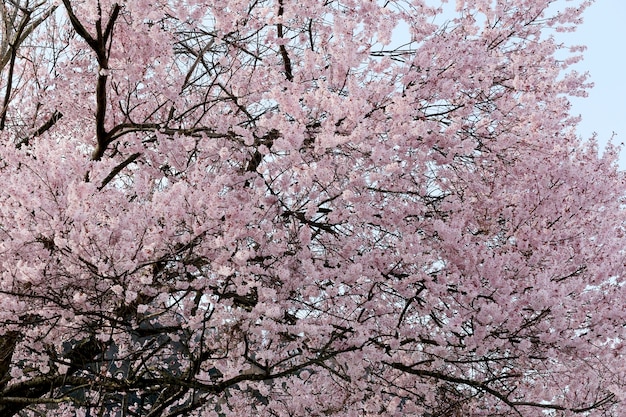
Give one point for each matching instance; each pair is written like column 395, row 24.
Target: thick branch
column 283, row 50
column 126, row 128
column 118, row 169
column 5, row 50
column 78, row 27
column 54, row 118
column 13, row 46
column 482, row 386
column 99, row 46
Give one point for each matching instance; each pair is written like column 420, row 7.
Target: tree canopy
column 270, row 207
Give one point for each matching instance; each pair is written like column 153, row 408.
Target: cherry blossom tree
column 269, row 207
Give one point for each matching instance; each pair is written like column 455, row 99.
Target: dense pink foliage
column 233, row 208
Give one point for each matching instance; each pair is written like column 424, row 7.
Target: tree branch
column 497, row 394
column 118, row 169
column 281, row 47
column 13, row 45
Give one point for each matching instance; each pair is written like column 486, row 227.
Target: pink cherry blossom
column 268, row 208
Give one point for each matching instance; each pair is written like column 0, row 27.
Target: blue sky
column 604, row 33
